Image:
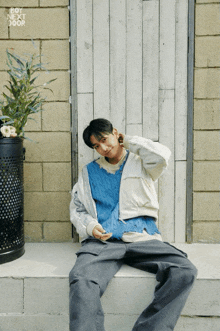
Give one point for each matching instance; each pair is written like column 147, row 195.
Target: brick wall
column 47, row 168
column 206, row 173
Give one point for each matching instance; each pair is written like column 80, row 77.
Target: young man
column 114, row 208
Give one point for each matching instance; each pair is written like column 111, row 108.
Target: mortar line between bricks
column 199, row 316
column 50, row 71
column 32, row 314
column 40, row 50
column 34, row 39
column 31, row 162
column 206, row 68
column 207, row 35
column 206, row 161
column 212, row 99
column 198, row 192
column 199, row 161
column 205, row 3
column 39, row 162
column 48, row 131
column 23, row 297
column 215, row 67
column 30, row 39
column 36, row 7
column 205, row 221
column 42, row 225
column 209, row 130
column 46, row 242
column 42, row 176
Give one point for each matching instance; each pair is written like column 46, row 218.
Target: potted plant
column 23, row 100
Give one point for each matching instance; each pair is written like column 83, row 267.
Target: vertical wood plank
column 150, row 68
column 134, row 130
column 85, row 115
column 134, row 61
column 73, row 79
column 166, row 182
column 101, row 58
column 180, row 201
column 84, row 46
column 181, row 80
column 117, row 62
column 167, row 44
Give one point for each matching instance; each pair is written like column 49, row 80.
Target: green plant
column 24, row 98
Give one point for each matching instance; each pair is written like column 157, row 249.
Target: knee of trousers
column 84, row 287
column 87, row 284
column 186, row 275
column 75, row 277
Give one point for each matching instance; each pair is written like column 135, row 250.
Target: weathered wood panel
column 101, row 58
column 180, row 80
column 134, row 62
column 134, row 130
column 180, row 201
column 166, row 182
column 150, row 69
column 167, row 43
column 117, row 62
column 85, row 115
column 84, row 46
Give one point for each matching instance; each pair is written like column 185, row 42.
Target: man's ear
column 115, row 132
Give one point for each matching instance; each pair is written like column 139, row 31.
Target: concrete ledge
column 34, row 291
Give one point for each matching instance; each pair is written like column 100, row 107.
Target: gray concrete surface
column 34, row 291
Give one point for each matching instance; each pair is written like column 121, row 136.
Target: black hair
column 96, row 128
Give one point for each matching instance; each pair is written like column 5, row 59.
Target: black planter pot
column 11, row 199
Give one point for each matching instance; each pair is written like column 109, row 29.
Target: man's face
column 108, row 145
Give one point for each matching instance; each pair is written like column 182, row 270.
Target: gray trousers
column 96, row 264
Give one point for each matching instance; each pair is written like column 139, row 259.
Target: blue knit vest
column 105, row 189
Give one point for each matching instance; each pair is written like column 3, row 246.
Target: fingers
column 99, row 233
column 98, row 230
column 106, row 236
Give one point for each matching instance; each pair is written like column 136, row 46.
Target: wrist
column 90, row 227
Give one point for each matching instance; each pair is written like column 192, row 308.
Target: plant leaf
column 16, row 58
column 7, row 97
column 33, row 109
column 3, row 117
column 33, row 80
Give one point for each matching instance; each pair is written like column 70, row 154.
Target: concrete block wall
column 47, row 168
column 206, row 173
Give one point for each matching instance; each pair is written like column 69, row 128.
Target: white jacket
column 145, row 164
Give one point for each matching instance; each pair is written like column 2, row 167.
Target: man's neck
column 118, row 157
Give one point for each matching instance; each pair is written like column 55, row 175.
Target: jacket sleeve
column 154, row 155
column 79, row 216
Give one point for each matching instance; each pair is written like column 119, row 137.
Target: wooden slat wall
column 166, row 182
column 132, row 69
column 151, row 16
column 84, row 46
column 166, row 114
column 101, row 59
column 134, row 63
column 181, row 119
column 118, row 63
